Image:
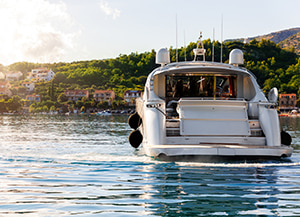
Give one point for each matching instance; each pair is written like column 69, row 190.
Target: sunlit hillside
column 288, row 39
column 292, row 42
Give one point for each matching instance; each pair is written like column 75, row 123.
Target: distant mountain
column 287, row 39
column 292, row 42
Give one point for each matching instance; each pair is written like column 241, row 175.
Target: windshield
column 204, row 85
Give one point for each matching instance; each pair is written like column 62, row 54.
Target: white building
column 131, row 95
column 41, row 74
column 14, row 76
column 5, row 88
column 2, row 76
column 29, row 85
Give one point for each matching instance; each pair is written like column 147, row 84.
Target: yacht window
column 223, row 86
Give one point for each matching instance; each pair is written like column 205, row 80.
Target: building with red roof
column 75, row 95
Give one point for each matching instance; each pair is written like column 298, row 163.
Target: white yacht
column 202, row 108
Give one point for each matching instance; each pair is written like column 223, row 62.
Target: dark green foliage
column 13, row 104
column 273, row 67
column 62, row 98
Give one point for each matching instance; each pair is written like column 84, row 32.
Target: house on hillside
column 33, row 98
column 104, row 95
column 75, row 95
column 14, row 76
column 41, row 74
column 131, row 95
column 5, row 89
column 2, row 76
column 29, row 100
column 287, row 102
column 29, row 85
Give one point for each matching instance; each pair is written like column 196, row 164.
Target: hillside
column 287, row 39
column 278, row 36
column 272, row 65
column 292, row 42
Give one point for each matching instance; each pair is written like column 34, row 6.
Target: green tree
column 3, row 107
column 44, row 108
column 14, row 104
column 22, row 91
column 32, row 108
column 59, row 77
column 62, row 98
column 79, row 104
column 271, row 65
column 52, row 108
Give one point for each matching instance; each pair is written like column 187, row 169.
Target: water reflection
column 292, row 126
column 46, row 136
column 84, row 166
column 290, row 123
column 236, row 190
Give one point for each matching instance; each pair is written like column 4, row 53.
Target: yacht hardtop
column 202, row 108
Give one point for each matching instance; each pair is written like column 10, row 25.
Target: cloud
column 48, row 46
column 34, row 30
column 114, row 12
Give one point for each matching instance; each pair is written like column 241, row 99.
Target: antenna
column 199, row 51
column 221, row 56
column 184, row 46
column 176, row 41
column 213, row 47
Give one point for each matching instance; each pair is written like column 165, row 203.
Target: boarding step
column 172, row 127
column 173, row 132
column 255, row 128
column 172, row 123
column 212, row 140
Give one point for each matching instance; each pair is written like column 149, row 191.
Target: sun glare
column 33, row 31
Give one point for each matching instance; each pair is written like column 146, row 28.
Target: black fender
column 135, row 138
column 286, row 138
column 134, row 121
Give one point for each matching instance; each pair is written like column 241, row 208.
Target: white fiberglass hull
column 225, row 150
column 208, row 109
column 205, row 124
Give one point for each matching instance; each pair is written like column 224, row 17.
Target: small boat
column 104, row 113
column 207, row 109
column 294, row 113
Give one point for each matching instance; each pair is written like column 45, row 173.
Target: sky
column 48, row 31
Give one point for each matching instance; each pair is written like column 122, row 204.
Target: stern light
column 236, row 57
column 162, row 57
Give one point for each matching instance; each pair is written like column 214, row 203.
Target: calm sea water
column 84, row 166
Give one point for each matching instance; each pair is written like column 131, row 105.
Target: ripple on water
column 83, row 166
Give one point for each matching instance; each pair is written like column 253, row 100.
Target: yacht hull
column 205, row 110
column 221, row 150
